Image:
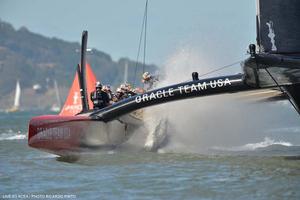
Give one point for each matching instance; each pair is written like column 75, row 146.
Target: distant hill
column 36, row 59
column 33, row 58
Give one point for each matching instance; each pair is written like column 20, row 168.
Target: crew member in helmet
column 128, row 90
column 111, row 95
column 107, row 89
column 119, row 95
column 148, row 81
column 99, row 98
column 123, row 93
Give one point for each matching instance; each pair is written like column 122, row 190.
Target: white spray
column 197, row 125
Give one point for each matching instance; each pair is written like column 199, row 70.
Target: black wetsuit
column 130, row 93
column 100, row 99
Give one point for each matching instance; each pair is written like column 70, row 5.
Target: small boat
column 16, row 106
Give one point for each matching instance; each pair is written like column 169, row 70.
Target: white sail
column 57, row 106
column 57, row 94
column 17, row 95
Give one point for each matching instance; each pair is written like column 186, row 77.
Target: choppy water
column 268, row 169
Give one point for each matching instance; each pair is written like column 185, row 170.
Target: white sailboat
column 56, row 106
column 16, row 106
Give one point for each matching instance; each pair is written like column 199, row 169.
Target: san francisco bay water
column 268, row 169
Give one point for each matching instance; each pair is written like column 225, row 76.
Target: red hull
column 57, row 134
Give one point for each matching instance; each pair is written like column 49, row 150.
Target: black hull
column 191, row 89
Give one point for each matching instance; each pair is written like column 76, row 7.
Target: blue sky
column 220, row 29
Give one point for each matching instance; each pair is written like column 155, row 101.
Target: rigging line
column 145, row 35
column 218, row 69
column 280, row 87
column 140, row 43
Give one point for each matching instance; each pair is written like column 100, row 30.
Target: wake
column 268, row 142
column 11, row 135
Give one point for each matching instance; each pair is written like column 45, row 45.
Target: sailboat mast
column 126, row 72
column 82, row 75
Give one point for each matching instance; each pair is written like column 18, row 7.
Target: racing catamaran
column 273, row 63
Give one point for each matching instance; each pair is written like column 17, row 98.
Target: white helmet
column 98, row 85
column 127, row 86
column 119, row 90
column 146, row 75
column 106, row 87
column 123, row 87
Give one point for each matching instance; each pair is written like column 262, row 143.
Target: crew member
column 99, row 98
column 122, row 92
column 128, row 90
column 107, row 89
column 119, row 95
column 148, row 81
